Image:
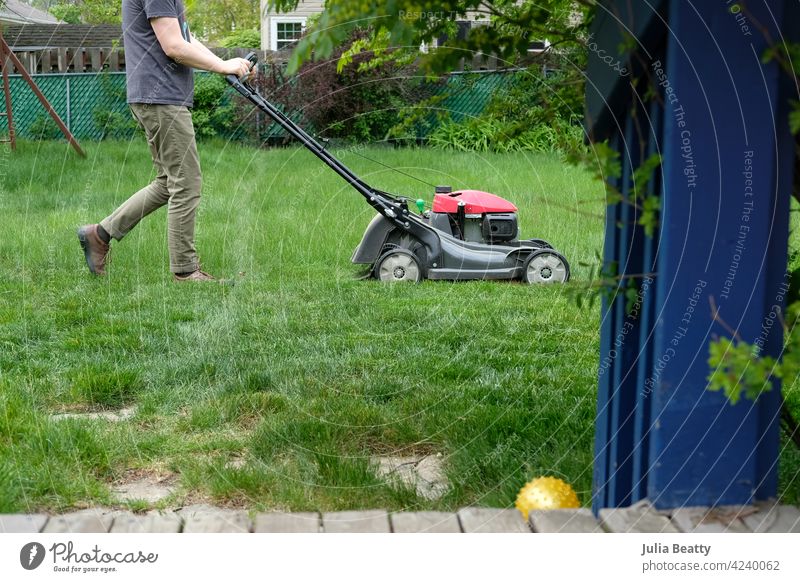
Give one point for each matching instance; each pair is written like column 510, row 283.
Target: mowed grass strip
column 279, row 391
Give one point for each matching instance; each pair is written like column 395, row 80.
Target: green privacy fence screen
column 93, row 105
column 81, row 100
column 469, row 93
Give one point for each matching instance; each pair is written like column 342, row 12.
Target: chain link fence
column 82, row 100
column 93, row 105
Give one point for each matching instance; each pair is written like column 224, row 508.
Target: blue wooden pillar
column 695, row 92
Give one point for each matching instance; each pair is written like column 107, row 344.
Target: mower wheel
column 545, row 266
column 398, row 265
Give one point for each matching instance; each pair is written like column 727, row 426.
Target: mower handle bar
column 393, row 208
column 252, row 94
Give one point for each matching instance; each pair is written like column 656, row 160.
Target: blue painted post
column 719, row 121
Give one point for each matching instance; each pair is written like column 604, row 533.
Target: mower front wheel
column 398, row 266
column 545, row 266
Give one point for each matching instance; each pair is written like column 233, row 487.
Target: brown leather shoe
column 94, row 249
column 198, row 275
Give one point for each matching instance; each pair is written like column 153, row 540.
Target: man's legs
column 170, row 133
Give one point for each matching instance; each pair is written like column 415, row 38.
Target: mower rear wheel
column 545, row 266
column 398, row 266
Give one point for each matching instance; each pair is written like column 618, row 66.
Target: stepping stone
column 276, row 522
column 153, row 522
column 638, row 518
column 110, row 415
column 487, row 520
column 22, row 523
column 374, row 521
column 772, row 518
column 148, row 489
column 207, row 519
column 564, row 521
column 85, row 521
column 423, row 473
column 425, row 522
column 712, row 519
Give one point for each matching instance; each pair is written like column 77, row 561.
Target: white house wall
column 305, row 9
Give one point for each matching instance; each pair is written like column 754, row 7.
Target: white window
column 537, row 47
column 285, row 31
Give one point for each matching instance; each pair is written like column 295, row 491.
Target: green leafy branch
column 739, row 370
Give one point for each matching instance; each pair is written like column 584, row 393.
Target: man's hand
column 238, row 67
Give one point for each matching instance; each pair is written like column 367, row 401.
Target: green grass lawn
column 277, row 391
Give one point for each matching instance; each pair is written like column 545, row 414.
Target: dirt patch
column 228, row 460
column 236, row 462
column 425, row 473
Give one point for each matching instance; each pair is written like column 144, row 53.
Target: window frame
column 273, row 27
column 545, row 45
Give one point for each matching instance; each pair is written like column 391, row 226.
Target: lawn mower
column 467, row 234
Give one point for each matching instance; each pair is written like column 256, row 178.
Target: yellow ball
column 546, row 493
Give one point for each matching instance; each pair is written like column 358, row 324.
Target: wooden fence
column 70, row 60
column 92, row 60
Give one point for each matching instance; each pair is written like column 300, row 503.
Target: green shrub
column 44, row 128
column 242, row 39
column 354, row 103
column 111, row 116
column 536, row 112
column 212, row 114
column 113, row 124
column 484, row 134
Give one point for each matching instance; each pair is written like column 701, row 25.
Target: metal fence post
column 69, row 104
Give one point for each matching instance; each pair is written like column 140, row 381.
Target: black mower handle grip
column 253, row 58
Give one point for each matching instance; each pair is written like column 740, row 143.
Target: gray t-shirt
column 153, row 77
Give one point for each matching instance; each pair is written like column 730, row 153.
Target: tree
column 87, row 11
column 510, row 27
column 69, row 13
column 214, row 20
column 101, row 11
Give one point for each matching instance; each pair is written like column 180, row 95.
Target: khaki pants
column 170, row 133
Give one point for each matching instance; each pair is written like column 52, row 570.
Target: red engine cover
column 477, row 202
